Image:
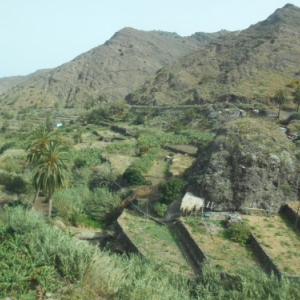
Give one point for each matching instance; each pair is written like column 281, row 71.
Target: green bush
column 286, row 189
column 103, row 206
column 160, row 209
column 70, row 203
column 134, row 176
column 240, row 233
column 17, row 185
column 171, row 190
column 79, row 162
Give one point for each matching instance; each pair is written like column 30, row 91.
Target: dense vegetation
column 38, row 259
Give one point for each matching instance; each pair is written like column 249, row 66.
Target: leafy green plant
column 239, row 232
column 160, row 209
column 103, row 206
column 134, row 176
column 286, row 189
column 17, row 184
column 171, row 190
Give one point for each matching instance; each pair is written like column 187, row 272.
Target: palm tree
column 36, row 143
column 280, row 98
column 51, row 170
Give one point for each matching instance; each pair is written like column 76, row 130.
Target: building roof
column 190, row 202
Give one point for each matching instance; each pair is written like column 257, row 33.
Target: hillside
column 107, row 72
column 245, row 65
column 6, row 83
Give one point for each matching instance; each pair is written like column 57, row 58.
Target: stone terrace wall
column 264, row 257
column 290, row 213
column 127, row 243
column 193, row 253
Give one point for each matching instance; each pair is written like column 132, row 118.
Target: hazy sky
column 39, row 34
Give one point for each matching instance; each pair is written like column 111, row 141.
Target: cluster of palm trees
column 46, row 153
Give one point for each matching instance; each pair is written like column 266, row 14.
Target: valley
column 97, row 154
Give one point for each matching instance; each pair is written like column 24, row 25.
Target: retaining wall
column 194, row 255
column 264, row 257
column 127, row 243
column 290, row 213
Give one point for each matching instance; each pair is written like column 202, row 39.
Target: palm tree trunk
column 35, row 197
column 50, row 205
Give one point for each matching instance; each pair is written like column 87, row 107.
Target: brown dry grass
column 157, row 172
column 280, row 241
column 119, row 162
column 180, row 163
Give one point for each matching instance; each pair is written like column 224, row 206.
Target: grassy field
column 155, row 241
column 278, row 238
column 220, row 250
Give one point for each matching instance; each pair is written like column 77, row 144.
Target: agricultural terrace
column 223, row 253
column 278, row 238
column 154, row 241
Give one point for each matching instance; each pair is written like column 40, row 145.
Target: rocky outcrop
column 251, row 164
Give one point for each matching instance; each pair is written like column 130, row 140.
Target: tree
column 35, row 145
column 280, row 98
column 297, row 97
column 51, row 170
column 38, row 145
column 171, row 190
column 134, row 176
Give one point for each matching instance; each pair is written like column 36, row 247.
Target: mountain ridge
column 255, row 61
column 109, row 71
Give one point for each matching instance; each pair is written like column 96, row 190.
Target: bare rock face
column 251, row 164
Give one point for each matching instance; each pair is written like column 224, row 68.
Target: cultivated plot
column 279, row 239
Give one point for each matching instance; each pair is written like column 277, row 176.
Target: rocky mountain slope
column 107, row 72
column 251, row 163
column 6, row 83
column 245, row 65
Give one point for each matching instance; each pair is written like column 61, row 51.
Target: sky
column 40, row 34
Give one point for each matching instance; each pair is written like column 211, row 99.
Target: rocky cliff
column 251, row 163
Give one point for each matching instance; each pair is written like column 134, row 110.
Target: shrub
column 103, row 206
column 104, row 177
column 134, row 176
column 17, row 185
column 6, row 146
column 286, row 189
column 70, row 202
column 160, row 209
column 79, row 162
column 240, row 233
column 171, row 190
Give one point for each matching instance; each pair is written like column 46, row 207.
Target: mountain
column 6, row 83
column 250, row 64
column 107, row 72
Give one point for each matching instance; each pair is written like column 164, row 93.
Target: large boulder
column 252, row 163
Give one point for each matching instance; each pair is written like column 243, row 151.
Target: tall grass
column 34, row 255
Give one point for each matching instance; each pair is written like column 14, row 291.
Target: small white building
column 190, row 203
column 57, row 124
